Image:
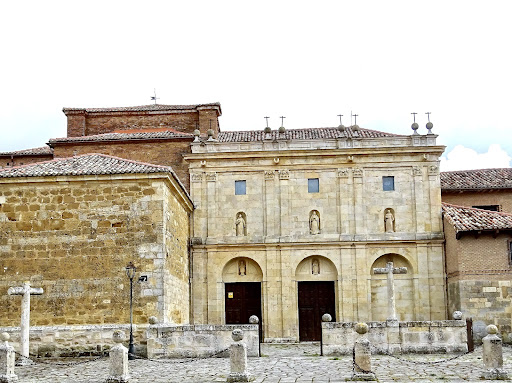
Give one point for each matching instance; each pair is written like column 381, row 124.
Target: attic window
column 488, row 207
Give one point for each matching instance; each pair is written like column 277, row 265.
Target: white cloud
column 462, row 158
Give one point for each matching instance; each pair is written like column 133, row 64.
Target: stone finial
column 267, row 129
column 210, row 134
column 118, row 336
column 415, row 127
column 5, row 337
column 326, row 317
column 237, row 335
column 341, row 127
column 153, row 320
column 355, row 128
column 492, row 329
column 457, row 315
column 361, row 328
column 197, row 133
column 282, row 129
column 253, row 319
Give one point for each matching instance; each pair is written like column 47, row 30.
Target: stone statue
column 314, row 223
column 240, row 225
column 315, row 267
column 242, row 267
column 389, row 220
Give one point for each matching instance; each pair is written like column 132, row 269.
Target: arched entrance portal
column 242, row 291
column 315, row 278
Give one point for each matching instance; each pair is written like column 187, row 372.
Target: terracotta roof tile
column 470, row 219
column 142, row 108
column 300, row 134
column 43, row 150
column 87, row 164
column 120, row 135
column 477, row 179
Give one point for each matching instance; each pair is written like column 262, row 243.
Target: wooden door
column 315, row 299
column 243, row 299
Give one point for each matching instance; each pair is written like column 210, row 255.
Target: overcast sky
column 308, row 61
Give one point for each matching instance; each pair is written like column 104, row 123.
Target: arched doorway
column 242, row 291
column 316, row 277
column 403, row 286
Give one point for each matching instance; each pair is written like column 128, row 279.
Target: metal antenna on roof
column 154, row 98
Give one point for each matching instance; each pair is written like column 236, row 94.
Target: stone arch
column 305, row 270
column 404, row 289
column 242, row 269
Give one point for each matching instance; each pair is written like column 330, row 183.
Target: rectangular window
column 488, row 207
column 388, row 183
column 240, row 187
column 313, row 185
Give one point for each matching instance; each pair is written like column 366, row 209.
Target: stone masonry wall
column 6, row 161
column 74, row 236
column 168, row 153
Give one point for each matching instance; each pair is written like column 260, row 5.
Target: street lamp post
column 130, row 272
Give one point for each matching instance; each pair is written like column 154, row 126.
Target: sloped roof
column 43, row 150
column 121, row 135
column 86, row 164
column 300, row 134
column 143, row 108
column 478, row 179
column 470, row 219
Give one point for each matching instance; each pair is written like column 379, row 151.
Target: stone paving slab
column 282, row 365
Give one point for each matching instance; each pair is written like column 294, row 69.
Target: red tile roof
column 478, row 179
column 120, row 135
column 43, row 150
column 86, row 164
column 471, row 219
column 143, row 108
column 300, row 134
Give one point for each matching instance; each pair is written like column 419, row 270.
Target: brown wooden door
column 243, row 299
column 315, row 299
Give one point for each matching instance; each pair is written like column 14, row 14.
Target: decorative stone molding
column 357, row 172
column 211, row 176
column 433, row 170
column 343, row 173
column 416, row 170
column 284, row 175
column 269, row 174
column 196, row 177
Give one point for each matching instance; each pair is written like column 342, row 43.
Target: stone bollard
column 118, row 356
column 238, row 358
column 493, row 355
column 362, row 355
column 7, row 358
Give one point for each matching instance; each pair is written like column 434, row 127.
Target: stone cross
column 26, row 291
column 390, row 270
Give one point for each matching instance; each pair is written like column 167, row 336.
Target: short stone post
column 493, row 355
column 118, row 356
column 362, row 364
column 238, row 358
column 7, row 358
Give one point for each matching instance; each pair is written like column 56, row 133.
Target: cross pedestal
column 25, row 291
column 390, row 270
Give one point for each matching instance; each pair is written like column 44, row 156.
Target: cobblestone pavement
column 281, row 364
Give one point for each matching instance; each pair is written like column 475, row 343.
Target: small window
column 313, row 185
column 240, row 187
column 488, row 207
column 388, row 183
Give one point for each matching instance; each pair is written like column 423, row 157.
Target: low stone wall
column 84, row 340
column 172, row 341
column 448, row 336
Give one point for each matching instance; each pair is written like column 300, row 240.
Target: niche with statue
column 240, row 224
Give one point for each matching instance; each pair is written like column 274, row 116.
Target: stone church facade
column 304, row 216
